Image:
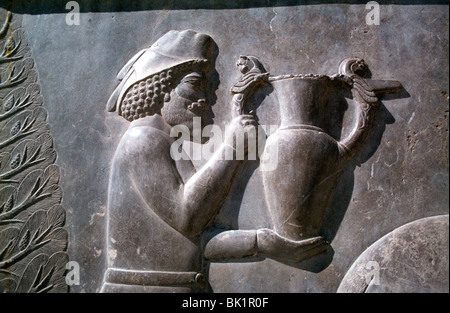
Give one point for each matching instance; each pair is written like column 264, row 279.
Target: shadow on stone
column 343, row 191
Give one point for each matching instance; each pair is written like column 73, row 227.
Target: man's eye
column 194, row 82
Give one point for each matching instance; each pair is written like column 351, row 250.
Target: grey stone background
column 400, row 175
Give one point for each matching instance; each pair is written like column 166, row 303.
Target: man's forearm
column 205, row 191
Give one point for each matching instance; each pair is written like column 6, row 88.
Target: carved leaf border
column 33, row 242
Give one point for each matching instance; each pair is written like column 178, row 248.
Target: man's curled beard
column 183, row 115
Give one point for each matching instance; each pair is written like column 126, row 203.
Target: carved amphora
column 301, row 162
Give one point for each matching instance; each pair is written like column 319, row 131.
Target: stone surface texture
column 409, row 259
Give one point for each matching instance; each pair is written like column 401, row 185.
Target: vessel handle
column 352, row 72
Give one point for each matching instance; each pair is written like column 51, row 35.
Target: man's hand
column 241, row 132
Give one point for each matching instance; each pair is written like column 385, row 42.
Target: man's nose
column 202, row 103
column 199, row 105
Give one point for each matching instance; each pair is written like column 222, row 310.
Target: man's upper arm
column 154, row 175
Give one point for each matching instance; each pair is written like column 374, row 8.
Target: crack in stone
column 271, row 21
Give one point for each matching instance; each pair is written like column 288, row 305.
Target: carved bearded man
column 158, row 206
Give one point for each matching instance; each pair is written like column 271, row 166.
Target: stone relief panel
column 33, row 241
column 163, row 88
column 318, row 134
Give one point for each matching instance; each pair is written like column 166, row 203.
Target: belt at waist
column 154, row 278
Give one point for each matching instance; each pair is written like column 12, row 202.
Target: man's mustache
column 199, row 105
